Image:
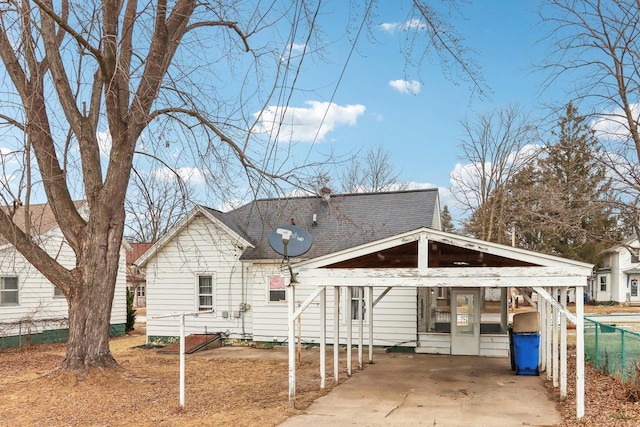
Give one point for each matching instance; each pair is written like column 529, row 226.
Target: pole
column 182, row 361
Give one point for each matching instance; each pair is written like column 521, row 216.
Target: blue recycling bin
column 526, row 348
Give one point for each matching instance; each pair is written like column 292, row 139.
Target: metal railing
column 612, row 344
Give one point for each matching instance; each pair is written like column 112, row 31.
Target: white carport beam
column 462, row 277
column 547, row 297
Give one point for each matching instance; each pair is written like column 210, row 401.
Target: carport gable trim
column 446, row 238
column 447, row 277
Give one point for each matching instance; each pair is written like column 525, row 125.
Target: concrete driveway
column 430, row 390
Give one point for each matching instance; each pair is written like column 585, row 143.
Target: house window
column 140, row 291
column 205, row 293
column 603, row 283
column 277, row 291
column 57, row 292
column 8, row 291
column 353, row 300
column 635, row 255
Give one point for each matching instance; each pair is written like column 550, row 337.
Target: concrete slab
column 433, row 390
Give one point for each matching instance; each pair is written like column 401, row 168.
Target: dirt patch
column 605, row 403
column 145, row 390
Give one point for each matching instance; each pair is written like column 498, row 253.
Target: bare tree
column 86, row 83
column 597, row 50
column 495, row 146
column 371, row 173
column 154, row 203
column 88, row 79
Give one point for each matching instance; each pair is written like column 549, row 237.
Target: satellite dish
column 289, row 240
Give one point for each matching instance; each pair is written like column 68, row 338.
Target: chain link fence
column 612, row 344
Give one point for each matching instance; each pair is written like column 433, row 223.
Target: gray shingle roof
column 345, row 221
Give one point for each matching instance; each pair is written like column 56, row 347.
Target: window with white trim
column 277, row 292
column 353, row 300
column 603, row 283
column 9, row 291
column 205, row 292
column 57, row 292
column 140, row 291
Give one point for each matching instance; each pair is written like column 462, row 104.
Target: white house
column 223, row 262
column 379, row 271
column 32, row 310
column 617, row 280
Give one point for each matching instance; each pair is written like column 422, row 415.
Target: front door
column 465, row 322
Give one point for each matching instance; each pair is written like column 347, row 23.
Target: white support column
column 370, row 319
column 336, row 333
column 182, row 360
column 563, row 345
column 542, row 354
column 554, row 341
column 349, row 317
column 548, row 336
column 579, row 353
column 291, row 308
column 360, row 326
column 323, row 337
column 504, row 309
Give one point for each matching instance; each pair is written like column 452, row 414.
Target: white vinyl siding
column 394, row 321
column 201, row 248
column 39, row 308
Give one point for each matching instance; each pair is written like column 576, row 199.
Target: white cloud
column 389, row 27
column 404, row 86
column 412, row 24
column 307, row 124
column 292, row 51
column 612, row 125
column 192, row 176
column 104, row 142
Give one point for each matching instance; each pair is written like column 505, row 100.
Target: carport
column 436, row 260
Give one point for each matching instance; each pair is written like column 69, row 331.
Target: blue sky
column 420, row 125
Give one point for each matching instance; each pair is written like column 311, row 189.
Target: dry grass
column 145, row 390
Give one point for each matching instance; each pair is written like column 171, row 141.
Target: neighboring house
column 619, row 277
column 223, row 262
column 32, row 310
column 136, row 282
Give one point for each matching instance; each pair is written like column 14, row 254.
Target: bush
column 131, row 312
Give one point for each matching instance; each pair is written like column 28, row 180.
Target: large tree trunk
column 91, row 298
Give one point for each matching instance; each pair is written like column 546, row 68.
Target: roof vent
column 325, row 193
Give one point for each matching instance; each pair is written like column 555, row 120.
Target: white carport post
column 336, row 332
column 563, row 344
column 323, row 336
column 579, row 353
column 370, row 319
column 548, row 335
column 542, row 309
column 349, row 317
column 360, row 325
column 578, row 320
column 291, row 308
column 554, row 342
